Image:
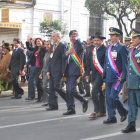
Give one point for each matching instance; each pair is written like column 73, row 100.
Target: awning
column 11, row 25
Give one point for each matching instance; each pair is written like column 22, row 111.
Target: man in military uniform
column 95, row 64
column 114, row 75
column 127, row 42
column 133, row 82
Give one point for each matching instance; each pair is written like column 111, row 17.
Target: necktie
column 14, row 52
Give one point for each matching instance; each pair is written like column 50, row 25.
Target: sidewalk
column 10, row 92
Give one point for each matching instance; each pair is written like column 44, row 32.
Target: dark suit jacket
column 32, row 57
column 72, row 68
column 86, row 55
column 56, row 64
column 18, row 61
column 101, row 57
column 41, row 57
column 121, row 63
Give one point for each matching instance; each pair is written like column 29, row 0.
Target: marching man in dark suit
column 95, row 64
column 133, row 82
column 74, row 69
column 16, row 66
column 115, row 74
column 56, row 68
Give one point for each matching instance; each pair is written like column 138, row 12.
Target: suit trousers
column 133, row 104
column 86, row 85
column 80, row 86
column 39, row 84
column 46, row 90
column 113, row 101
column 18, row 90
column 98, row 96
column 71, row 92
column 55, row 86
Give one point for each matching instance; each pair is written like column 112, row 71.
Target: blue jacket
column 72, row 68
column 121, row 63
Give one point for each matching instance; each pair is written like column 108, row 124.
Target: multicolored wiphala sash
column 77, row 60
column 55, row 46
column 96, row 62
column 114, row 68
column 134, row 64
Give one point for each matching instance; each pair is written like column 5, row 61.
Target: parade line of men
column 110, row 65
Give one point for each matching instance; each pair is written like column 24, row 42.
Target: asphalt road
column 27, row 120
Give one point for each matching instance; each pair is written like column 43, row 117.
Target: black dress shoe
column 69, row 112
column 85, row 106
column 86, row 95
column 19, row 96
column 45, row 104
column 124, row 117
column 51, row 109
column 129, row 129
column 29, row 99
column 38, row 101
column 109, row 121
column 14, row 97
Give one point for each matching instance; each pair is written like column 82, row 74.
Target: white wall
column 72, row 12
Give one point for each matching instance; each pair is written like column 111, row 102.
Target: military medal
column 138, row 61
column 51, row 55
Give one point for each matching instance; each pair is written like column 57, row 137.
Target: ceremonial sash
column 134, row 63
column 55, row 46
column 77, row 60
column 96, row 62
column 114, row 68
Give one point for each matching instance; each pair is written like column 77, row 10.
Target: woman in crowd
column 5, row 77
column 39, row 55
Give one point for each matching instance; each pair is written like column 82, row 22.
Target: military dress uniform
column 133, row 85
column 119, row 55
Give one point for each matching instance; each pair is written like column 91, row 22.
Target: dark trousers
column 80, row 86
column 86, row 85
column 98, row 96
column 133, row 105
column 55, row 86
column 18, row 90
column 31, row 82
column 39, row 84
column 71, row 92
column 113, row 101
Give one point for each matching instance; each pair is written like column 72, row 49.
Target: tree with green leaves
column 119, row 9
column 47, row 27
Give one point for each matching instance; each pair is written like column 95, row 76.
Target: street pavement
column 27, row 120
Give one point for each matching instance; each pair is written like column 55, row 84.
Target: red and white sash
column 96, row 62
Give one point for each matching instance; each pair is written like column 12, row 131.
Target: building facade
column 18, row 18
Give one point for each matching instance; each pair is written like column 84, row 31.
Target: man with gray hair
column 56, row 70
